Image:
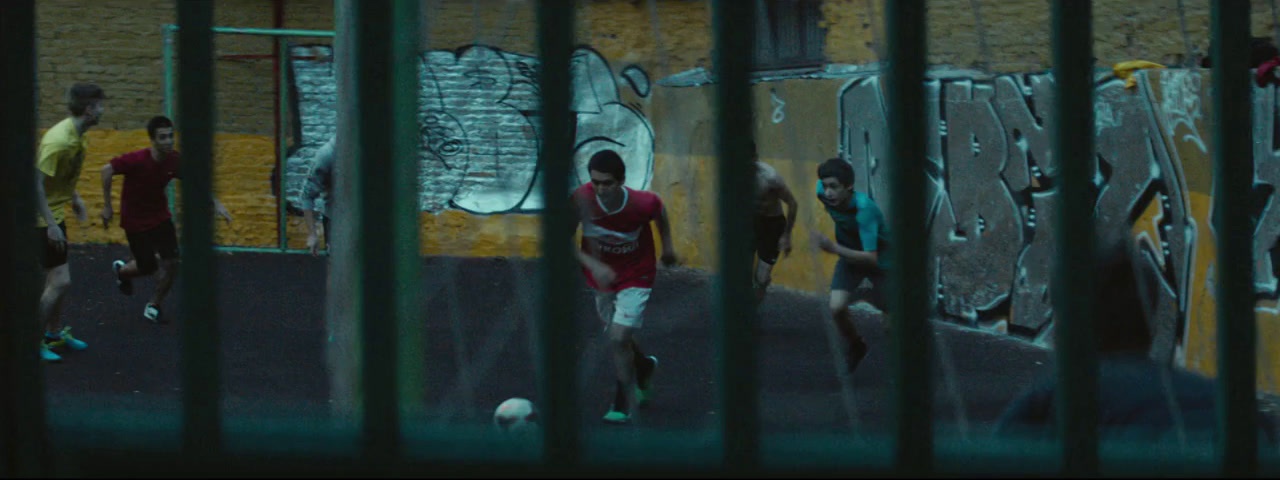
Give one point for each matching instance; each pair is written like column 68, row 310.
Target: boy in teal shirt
column 861, row 241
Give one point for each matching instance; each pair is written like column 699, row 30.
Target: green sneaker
column 616, row 417
column 644, row 382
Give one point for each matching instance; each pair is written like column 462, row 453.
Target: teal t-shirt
column 860, row 225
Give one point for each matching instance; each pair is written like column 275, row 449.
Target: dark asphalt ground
column 478, row 351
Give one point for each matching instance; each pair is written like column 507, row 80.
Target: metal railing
column 170, row 32
column 380, row 262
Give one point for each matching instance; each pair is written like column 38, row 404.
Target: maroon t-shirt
column 143, row 203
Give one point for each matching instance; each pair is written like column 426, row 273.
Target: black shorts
column 769, row 230
column 50, row 256
column 144, row 245
column 848, row 277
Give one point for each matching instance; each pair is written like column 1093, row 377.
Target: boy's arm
column 107, row 212
column 788, row 198
column 219, row 209
column 664, row 232
column 857, row 257
column 47, row 166
column 311, row 190
column 42, row 202
column 601, row 272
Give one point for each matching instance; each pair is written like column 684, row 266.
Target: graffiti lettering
column 995, row 191
column 479, row 122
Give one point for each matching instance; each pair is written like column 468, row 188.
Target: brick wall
column 119, row 45
column 1013, row 36
column 123, row 53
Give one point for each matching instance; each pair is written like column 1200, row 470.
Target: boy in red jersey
column 617, row 257
column 144, row 213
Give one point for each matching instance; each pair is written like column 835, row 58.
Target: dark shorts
column 768, row 231
column 848, row 278
column 50, row 256
column 328, row 234
column 144, row 245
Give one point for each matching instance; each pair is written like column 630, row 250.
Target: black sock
column 620, row 399
column 638, row 360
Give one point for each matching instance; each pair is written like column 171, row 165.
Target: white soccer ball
column 515, row 415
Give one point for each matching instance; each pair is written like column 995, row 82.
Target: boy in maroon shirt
column 144, row 213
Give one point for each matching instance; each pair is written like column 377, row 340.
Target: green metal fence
column 168, row 56
column 380, row 263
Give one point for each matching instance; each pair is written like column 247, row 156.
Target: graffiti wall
column 992, row 180
column 992, row 183
column 479, row 123
column 991, row 172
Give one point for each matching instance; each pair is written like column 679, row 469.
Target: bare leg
column 624, row 348
column 130, row 270
column 839, row 305
column 168, row 271
column 622, row 343
column 763, row 277
column 57, row 282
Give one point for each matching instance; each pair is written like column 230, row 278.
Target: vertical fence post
column 170, row 93
column 1074, row 343
column 1232, row 184
column 282, row 114
column 557, row 335
column 385, row 169
column 23, row 440
column 909, row 301
column 740, row 424
column 201, row 379
column 405, row 207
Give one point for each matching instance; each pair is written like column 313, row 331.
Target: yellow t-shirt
column 60, row 158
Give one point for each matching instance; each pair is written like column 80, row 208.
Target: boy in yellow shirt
column 58, row 165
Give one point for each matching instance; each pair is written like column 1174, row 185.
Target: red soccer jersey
column 143, row 203
column 622, row 238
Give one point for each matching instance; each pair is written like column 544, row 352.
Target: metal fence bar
column 740, row 422
column 909, row 313
column 559, row 277
column 201, row 377
column 23, row 433
column 1232, row 184
column 286, row 32
column 167, row 54
column 1074, row 343
column 411, row 324
column 282, row 107
column 170, row 94
column 379, row 156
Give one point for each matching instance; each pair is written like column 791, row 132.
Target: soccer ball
column 515, row 415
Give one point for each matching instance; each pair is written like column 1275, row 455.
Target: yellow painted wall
column 1200, row 340
column 242, row 169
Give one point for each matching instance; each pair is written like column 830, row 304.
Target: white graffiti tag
column 1181, row 104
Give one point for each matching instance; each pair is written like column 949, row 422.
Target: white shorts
column 625, row 307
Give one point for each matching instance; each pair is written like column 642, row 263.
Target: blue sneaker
column 48, row 355
column 64, row 339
